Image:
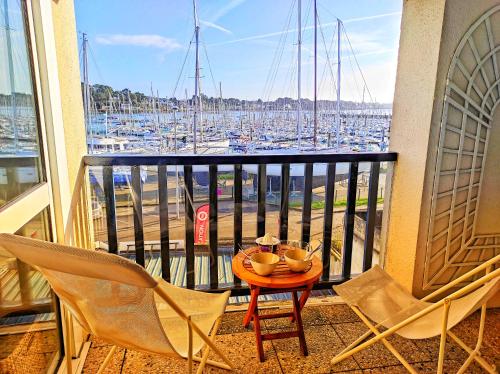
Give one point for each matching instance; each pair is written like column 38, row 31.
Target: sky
column 250, row 46
column 17, row 54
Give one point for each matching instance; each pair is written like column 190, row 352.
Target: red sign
column 201, row 224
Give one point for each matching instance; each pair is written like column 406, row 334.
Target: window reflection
column 28, row 328
column 19, row 137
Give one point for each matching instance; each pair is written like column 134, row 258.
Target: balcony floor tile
column 377, row 355
column 339, row 313
column 96, row 356
column 232, row 323
column 138, row 362
column 328, row 329
column 322, row 342
column 311, row 316
column 241, row 350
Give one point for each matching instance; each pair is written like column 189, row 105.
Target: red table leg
column 300, row 327
column 258, row 334
column 305, row 295
column 303, row 298
column 253, row 312
column 254, row 295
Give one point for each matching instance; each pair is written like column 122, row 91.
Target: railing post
column 189, row 222
column 261, row 200
column 328, row 220
column 238, row 212
column 349, row 220
column 164, row 230
column 371, row 215
column 137, row 203
column 109, row 195
column 307, row 201
column 285, row 189
column 214, row 272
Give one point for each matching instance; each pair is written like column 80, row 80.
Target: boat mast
column 186, row 110
column 197, row 103
column 8, row 31
column 299, row 58
column 110, row 110
column 86, row 92
column 315, row 73
column 220, row 98
column 158, row 109
column 337, row 132
column 152, row 104
column 130, row 110
column 222, row 112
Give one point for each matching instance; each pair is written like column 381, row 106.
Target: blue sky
column 134, row 43
column 18, row 53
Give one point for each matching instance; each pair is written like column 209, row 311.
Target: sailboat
column 204, row 146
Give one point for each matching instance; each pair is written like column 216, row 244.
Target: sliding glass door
column 29, row 328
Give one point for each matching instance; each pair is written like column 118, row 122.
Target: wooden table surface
column 282, row 277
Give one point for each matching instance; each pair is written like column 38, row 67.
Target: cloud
column 380, row 78
column 253, row 37
column 226, row 9
column 221, row 13
column 294, row 30
column 363, row 42
column 376, row 16
column 140, row 40
column 215, row 26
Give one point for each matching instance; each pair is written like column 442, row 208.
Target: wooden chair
column 375, row 296
column 119, row 302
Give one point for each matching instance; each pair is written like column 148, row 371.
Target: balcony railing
column 237, row 164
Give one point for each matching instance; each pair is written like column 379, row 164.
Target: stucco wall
column 431, row 31
column 412, row 113
column 63, row 14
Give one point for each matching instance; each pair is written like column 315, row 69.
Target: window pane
column 28, row 329
column 19, row 137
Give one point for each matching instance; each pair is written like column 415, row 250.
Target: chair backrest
column 110, row 296
column 385, row 301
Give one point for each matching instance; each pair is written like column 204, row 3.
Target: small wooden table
column 281, row 280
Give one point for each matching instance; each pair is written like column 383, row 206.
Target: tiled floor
column 28, row 352
column 328, row 329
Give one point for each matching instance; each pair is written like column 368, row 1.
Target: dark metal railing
column 187, row 162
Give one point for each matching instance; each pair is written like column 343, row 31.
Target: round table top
column 281, row 277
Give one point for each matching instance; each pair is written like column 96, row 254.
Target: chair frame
column 474, row 354
column 193, row 328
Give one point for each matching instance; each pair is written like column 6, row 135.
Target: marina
column 243, row 132
column 128, row 122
